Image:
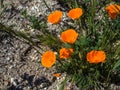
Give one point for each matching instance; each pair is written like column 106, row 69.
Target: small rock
column 14, row 81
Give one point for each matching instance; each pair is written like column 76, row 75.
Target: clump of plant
column 90, row 55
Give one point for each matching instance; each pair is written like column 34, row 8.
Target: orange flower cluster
column 65, row 53
column 69, row 36
column 113, row 10
column 55, row 17
column 96, row 56
column 75, row 13
column 48, row 59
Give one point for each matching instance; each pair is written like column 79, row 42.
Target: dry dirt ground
column 20, row 67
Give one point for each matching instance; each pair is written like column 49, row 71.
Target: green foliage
column 35, row 22
column 100, row 34
column 24, row 13
column 49, row 40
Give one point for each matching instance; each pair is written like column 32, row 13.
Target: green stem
column 20, row 35
column 80, row 27
column 108, row 84
column 60, row 63
column 93, row 6
column 76, row 4
column 47, row 5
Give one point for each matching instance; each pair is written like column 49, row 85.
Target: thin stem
column 108, row 84
column 60, row 63
column 80, row 27
column 76, row 4
column 47, row 5
column 93, row 6
column 1, row 4
column 17, row 33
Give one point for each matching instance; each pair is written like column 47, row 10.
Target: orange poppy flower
column 96, row 56
column 48, row 59
column 75, row 13
column 55, row 17
column 65, row 53
column 56, row 74
column 69, row 36
column 113, row 10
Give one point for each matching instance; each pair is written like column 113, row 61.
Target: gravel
column 20, row 67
